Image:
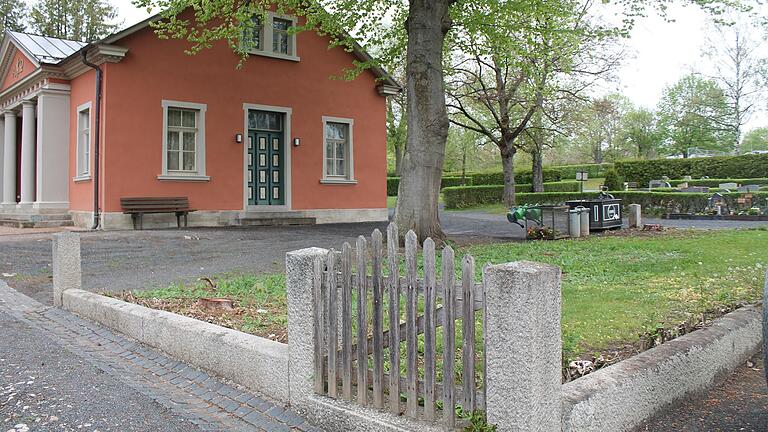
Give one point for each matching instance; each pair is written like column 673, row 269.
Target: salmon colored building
column 277, row 139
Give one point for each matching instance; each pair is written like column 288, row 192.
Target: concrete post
column 635, row 216
column 523, row 346
column 9, row 160
column 299, row 273
column 574, row 223
column 584, row 221
column 67, row 272
column 765, row 326
column 28, row 123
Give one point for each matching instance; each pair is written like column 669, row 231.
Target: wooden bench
column 137, row 207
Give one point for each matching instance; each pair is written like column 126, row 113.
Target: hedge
column 713, row 183
column 521, row 177
column 723, row 167
column 568, row 172
column 468, row 196
column 677, row 202
column 393, row 183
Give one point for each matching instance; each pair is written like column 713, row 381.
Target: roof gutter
column 97, row 158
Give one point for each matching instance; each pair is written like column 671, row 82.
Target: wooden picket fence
column 365, row 362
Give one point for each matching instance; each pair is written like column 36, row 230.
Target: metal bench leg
column 185, row 220
column 178, row 220
column 133, row 219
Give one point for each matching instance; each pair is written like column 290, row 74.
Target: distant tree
column 735, row 53
column 12, row 13
column 756, row 139
column 694, row 113
column 81, row 20
column 597, row 126
column 638, row 134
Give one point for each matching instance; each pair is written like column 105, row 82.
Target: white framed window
column 183, row 141
column 338, row 160
column 273, row 38
column 83, row 162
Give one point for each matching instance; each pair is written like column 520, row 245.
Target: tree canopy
column 81, row 20
column 12, row 13
column 694, row 114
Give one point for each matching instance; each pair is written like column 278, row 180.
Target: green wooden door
column 266, row 167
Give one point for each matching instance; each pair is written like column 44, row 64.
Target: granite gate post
column 67, row 270
column 523, row 346
column 635, row 216
column 299, row 271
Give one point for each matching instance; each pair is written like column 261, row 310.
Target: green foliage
column 613, row 180
column 12, row 14
column 522, row 177
column 469, row 196
column 472, row 196
column 81, row 20
column 713, row 183
column 642, row 172
column 478, row 422
column 568, row 172
column 393, row 183
column 694, row 113
column 756, row 139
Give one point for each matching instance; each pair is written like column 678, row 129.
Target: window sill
column 333, row 181
column 275, row 55
column 183, row 177
column 81, row 178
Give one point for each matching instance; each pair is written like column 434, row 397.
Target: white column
column 53, row 134
column 9, row 159
column 28, row 152
column 2, row 140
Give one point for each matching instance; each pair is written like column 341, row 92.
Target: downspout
column 97, row 159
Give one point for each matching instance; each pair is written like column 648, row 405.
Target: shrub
column 568, row 172
column 754, row 166
column 673, row 202
column 613, row 181
column 469, row 196
column 393, row 183
column 521, row 177
column 715, row 182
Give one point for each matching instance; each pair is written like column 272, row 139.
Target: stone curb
column 254, row 362
column 622, row 396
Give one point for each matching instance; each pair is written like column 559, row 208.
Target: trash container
column 584, row 223
column 574, row 223
column 604, row 211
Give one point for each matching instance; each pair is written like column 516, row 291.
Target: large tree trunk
column 508, row 164
column 417, row 204
column 399, row 160
column 538, row 170
column 537, row 166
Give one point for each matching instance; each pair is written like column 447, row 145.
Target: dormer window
column 273, row 38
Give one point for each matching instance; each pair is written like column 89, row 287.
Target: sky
column 659, row 53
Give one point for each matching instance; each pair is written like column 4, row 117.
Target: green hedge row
column 469, row 196
column 568, row 172
column 393, row 183
column 747, row 166
column 521, row 177
column 456, row 198
column 716, row 182
column 479, row 179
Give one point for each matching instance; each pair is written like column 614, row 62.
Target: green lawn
column 614, row 287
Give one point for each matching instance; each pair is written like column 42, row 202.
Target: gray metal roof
column 46, row 49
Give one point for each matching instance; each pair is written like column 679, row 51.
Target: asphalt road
column 46, row 388
column 740, row 403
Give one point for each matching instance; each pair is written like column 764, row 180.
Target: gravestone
column 687, row 178
column 728, row 185
column 749, row 188
column 658, row 184
column 683, row 185
column 695, row 189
